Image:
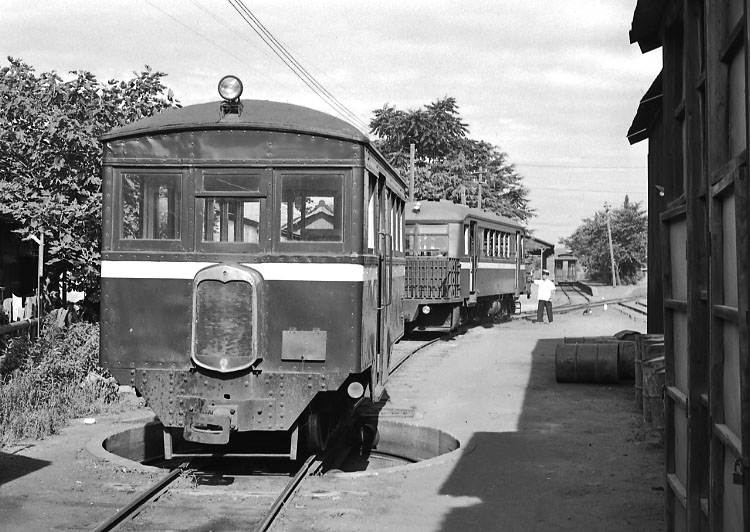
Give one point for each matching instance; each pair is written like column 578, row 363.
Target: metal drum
column 626, row 351
column 587, row 363
column 643, row 341
column 653, row 361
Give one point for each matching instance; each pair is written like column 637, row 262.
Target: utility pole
column 479, row 191
column 39, row 273
column 411, row 171
column 611, row 248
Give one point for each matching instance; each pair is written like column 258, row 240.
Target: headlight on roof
column 230, row 88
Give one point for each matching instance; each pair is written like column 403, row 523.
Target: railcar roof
column 446, row 212
column 256, row 114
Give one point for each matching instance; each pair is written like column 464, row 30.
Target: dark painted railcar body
column 462, row 263
column 252, row 268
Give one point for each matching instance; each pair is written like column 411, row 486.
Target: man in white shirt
column 546, row 290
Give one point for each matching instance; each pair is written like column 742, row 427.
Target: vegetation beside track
column 48, row 381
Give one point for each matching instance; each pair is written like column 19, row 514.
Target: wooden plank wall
column 700, row 150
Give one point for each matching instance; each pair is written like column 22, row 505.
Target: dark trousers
column 540, row 310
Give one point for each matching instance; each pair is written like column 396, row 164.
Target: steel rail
column 152, row 492
column 564, row 309
column 288, row 492
column 625, row 305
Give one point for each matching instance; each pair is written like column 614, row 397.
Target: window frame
column 201, row 195
column 119, row 243
column 304, row 246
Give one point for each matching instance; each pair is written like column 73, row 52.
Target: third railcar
column 461, row 263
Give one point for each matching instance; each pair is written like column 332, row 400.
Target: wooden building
column 695, row 117
column 537, row 252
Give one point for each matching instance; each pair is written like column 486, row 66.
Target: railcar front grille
column 224, row 319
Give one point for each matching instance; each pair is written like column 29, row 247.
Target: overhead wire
column 230, row 28
column 580, row 167
column 297, row 69
column 193, row 30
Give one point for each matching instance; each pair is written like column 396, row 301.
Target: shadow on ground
column 13, row 466
column 573, row 464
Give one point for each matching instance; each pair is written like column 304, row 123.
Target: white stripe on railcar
column 490, row 266
column 271, row 271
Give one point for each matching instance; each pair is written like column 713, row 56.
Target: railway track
column 574, row 293
column 206, row 494
column 134, row 506
column 635, row 309
column 248, row 493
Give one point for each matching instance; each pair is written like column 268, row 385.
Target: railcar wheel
column 319, row 429
column 506, row 310
column 456, row 318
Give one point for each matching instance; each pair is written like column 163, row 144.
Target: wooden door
column 727, row 196
column 729, row 386
column 676, row 358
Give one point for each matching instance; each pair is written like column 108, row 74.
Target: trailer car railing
column 432, row 278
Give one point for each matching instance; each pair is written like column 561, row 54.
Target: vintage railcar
column 252, row 269
column 461, row 263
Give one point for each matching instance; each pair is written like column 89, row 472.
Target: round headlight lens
column 230, row 88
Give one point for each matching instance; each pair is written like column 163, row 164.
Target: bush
column 46, row 382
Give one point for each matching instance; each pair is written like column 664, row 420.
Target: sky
column 553, row 84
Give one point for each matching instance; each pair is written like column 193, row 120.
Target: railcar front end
column 238, row 291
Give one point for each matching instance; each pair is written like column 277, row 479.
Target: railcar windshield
column 151, row 206
column 228, row 214
column 427, row 240
column 312, row 208
column 231, row 220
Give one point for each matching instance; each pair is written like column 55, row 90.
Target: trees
column 590, row 243
column 50, row 157
column 447, row 161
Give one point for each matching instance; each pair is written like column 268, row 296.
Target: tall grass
column 46, row 382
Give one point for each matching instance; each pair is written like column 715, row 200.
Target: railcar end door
column 385, row 287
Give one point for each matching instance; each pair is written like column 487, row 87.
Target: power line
column 581, row 167
column 230, row 28
column 593, row 190
column 294, row 65
column 228, row 52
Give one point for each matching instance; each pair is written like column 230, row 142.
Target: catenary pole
column 611, row 248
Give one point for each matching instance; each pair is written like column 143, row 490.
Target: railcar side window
column 410, row 240
column 150, row 207
column 371, row 218
column 312, row 208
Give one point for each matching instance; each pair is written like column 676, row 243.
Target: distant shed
column 563, row 266
column 537, row 252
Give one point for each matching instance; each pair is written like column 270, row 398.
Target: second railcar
column 252, row 270
column 461, row 263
